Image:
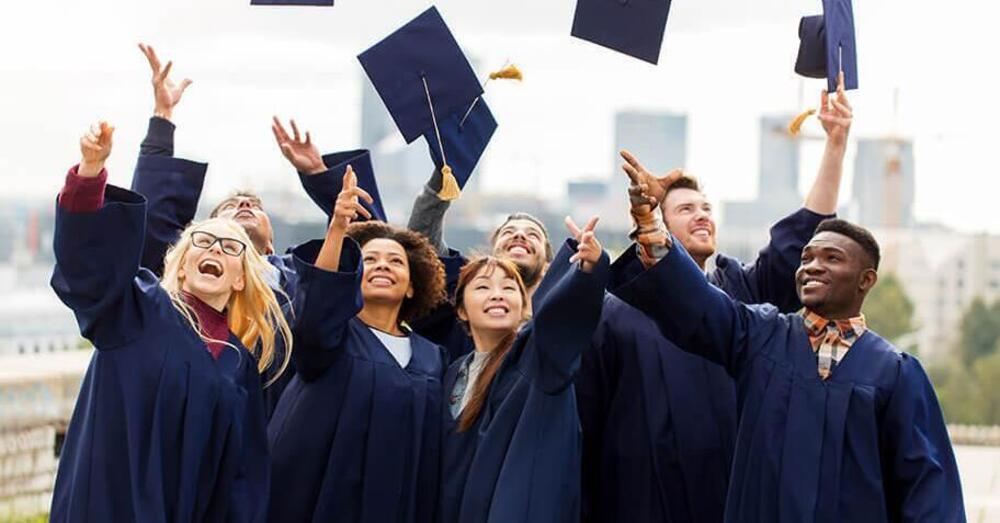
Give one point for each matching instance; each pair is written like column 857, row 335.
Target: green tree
column 888, row 310
column 959, row 392
column 979, row 330
column 986, row 371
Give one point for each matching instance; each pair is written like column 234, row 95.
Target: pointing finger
column 571, row 225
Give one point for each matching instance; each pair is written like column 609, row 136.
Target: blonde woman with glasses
column 170, row 421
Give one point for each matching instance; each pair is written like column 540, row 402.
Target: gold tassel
column 510, row 72
column 449, row 185
column 796, row 126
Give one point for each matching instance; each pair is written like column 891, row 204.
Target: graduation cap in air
column 360, row 160
column 327, row 3
column 827, row 45
column 633, row 27
column 428, row 86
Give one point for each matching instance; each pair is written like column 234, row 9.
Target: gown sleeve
column 172, row 186
column 771, row 278
column 97, row 259
column 697, row 316
column 922, row 475
column 323, row 304
column 323, row 188
column 567, row 316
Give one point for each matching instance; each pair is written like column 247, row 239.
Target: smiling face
column 248, row 211
column 688, row 215
column 523, row 242
column 834, row 276
column 387, row 272
column 212, row 266
column 492, row 302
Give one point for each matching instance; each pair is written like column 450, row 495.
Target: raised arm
column 172, row 186
column 427, row 216
column 923, row 480
column 97, row 244
column 835, row 113
column 697, row 316
column 771, row 278
column 567, row 315
column 329, row 286
column 321, row 176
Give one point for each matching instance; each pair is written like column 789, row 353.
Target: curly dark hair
column 426, row 270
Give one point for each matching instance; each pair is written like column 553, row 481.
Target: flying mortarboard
column 827, row 45
column 465, row 138
column 328, row 3
column 633, row 27
column 423, row 78
column 361, row 162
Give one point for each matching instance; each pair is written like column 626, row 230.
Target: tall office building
column 884, row 184
column 658, row 139
column 777, row 175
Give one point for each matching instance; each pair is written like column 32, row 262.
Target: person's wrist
column 161, row 112
column 90, row 168
column 314, row 169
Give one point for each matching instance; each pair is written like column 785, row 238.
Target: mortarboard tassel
column 449, row 185
column 509, row 72
column 796, row 125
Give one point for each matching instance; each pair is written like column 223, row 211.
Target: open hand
column 167, row 94
column 347, row 207
column 588, row 249
column 302, row 154
column 649, row 189
column 836, row 114
column 95, row 147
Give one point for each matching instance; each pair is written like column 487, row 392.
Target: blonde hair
column 253, row 313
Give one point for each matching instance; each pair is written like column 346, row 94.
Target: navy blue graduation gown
column 869, row 444
column 161, row 431
column 355, row 437
column 659, row 424
column 520, row 461
column 173, row 188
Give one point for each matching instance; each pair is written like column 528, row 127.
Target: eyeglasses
column 205, row 240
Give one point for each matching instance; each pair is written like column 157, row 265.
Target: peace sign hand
column 95, row 147
column 588, row 249
column 166, row 93
column 302, row 154
column 347, row 207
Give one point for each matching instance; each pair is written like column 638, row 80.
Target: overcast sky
column 65, row 63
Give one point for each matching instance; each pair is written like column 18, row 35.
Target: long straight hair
column 253, row 313
column 475, row 267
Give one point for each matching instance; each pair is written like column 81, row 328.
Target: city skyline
column 724, row 64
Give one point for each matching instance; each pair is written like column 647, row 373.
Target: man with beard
column 522, row 238
column 659, row 424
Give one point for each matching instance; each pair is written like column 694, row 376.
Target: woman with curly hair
column 356, row 435
column 170, row 422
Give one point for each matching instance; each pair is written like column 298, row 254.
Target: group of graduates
column 378, row 375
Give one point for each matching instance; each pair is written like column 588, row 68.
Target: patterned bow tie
column 831, row 339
